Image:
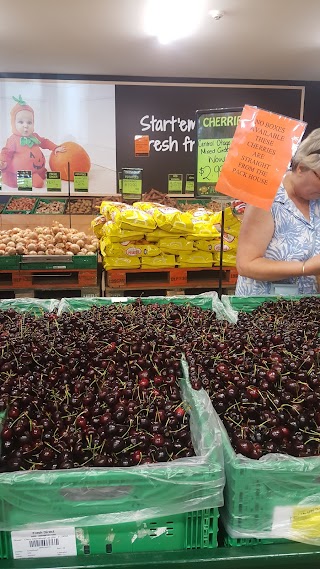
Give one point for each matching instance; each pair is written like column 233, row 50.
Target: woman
column 282, row 246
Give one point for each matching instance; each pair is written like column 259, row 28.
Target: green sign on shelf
column 189, row 188
column 175, row 182
column 53, row 182
column 81, row 182
column 24, row 180
column 131, row 186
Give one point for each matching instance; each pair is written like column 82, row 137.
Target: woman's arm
column 255, row 235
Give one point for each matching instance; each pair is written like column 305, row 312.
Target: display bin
column 92, row 496
column 10, row 262
column 273, row 497
column 41, row 201
column 50, row 262
column 31, row 210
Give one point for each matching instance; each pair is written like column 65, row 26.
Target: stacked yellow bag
column 195, row 259
column 122, row 242
column 167, row 218
column 232, row 226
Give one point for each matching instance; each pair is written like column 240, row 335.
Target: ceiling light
column 169, row 20
column 216, row 14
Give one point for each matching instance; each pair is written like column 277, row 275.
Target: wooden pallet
column 88, row 291
column 146, row 279
column 47, row 279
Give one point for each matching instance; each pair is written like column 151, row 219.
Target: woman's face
column 307, row 184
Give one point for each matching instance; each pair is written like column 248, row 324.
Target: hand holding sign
column 259, row 155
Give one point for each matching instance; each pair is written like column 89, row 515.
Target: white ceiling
column 256, row 39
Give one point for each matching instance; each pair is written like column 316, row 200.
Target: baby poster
column 58, row 126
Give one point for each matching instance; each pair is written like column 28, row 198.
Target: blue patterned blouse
column 294, row 239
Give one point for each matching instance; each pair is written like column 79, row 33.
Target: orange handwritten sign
column 259, row 155
column 141, row 145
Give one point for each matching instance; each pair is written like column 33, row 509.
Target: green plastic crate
column 193, row 530
column 105, row 496
column 19, row 210
column 10, row 262
column 254, row 488
column 45, row 262
column 50, row 200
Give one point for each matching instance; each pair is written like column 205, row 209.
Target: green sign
column 80, row 182
column 24, row 180
column 53, row 182
column 175, row 182
column 215, row 130
column 189, row 188
column 131, row 183
column 119, row 183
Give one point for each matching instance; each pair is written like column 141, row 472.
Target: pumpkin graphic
column 77, row 157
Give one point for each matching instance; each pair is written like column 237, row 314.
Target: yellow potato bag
column 117, row 235
column 161, row 261
column 205, row 245
column 132, row 218
column 129, row 249
column 157, row 234
column 204, row 230
column 195, row 259
column 175, row 244
column 97, row 225
column 167, row 218
column 228, row 259
column 121, row 262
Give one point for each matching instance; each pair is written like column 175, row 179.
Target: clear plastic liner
column 36, row 306
column 90, row 496
column 277, row 496
column 206, row 300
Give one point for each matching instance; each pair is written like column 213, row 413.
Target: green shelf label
column 175, row 182
column 81, row 182
column 53, row 182
column 189, row 187
column 131, row 186
column 24, row 180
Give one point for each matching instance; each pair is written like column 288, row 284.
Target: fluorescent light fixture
column 169, row 20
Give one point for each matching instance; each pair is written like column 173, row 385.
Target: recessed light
column 216, row 14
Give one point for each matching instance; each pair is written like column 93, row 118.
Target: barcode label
column 44, row 542
column 57, row 542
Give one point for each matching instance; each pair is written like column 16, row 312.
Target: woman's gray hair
column 308, row 153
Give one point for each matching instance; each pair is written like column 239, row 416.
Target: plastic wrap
column 277, row 496
column 206, row 300
column 87, row 497
column 36, row 306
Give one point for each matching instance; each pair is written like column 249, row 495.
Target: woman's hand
column 3, row 165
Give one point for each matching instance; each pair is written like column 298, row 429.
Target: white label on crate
column 57, row 542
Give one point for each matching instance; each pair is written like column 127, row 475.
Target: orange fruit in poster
column 77, row 157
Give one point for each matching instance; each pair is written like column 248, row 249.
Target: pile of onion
column 55, row 240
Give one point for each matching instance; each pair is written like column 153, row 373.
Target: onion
column 75, row 249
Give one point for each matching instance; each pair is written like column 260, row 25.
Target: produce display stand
column 23, row 275
column 167, row 279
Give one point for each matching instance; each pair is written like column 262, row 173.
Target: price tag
column 131, row 183
column 30, row 544
column 53, row 182
column 175, row 183
column 24, row 180
column 189, row 184
column 80, row 181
